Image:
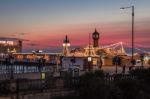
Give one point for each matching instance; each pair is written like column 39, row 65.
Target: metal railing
column 26, row 85
column 25, row 67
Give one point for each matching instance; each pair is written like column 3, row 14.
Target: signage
column 43, row 75
column 7, row 42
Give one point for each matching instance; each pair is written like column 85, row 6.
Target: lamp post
column 11, row 62
column 142, row 55
column 115, row 62
column 132, row 7
column 89, row 62
column 89, row 56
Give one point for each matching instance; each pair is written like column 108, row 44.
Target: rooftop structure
column 95, row 37
column 10, row 45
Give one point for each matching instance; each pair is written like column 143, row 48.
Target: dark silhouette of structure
column 66, row 45
column 95, row 37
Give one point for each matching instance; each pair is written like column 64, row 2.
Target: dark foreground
column 96, row 85
column 92, row 85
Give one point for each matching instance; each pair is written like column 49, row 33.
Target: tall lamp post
column 142, row 55
column 132, row 7
column 11, row 62
column 89, row 56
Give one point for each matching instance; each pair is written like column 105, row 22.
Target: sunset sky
column 43, row 24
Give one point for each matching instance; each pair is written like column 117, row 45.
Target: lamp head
column 68, row 44
column 122, row 8
column 64, row 44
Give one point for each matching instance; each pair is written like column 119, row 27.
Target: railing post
column 17, row 89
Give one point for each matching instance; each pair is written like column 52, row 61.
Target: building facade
column 10, row 45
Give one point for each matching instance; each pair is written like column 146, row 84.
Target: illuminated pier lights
column 10, row 45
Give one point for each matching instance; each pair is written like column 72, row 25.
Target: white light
column 68, row 44
column 40, row 51
column 64, row 44
column 10, row 42
column 89, row 59
column 33, row 51
column 7, row 42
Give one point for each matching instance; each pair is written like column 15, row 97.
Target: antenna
column 89, row 44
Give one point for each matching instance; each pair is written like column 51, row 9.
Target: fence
column 37, row 85
column 25, row 68
column 111, row 78
column 26, row 85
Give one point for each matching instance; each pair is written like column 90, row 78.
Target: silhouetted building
column 10, row 45
column 95, row 37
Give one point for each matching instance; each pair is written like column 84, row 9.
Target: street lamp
column 89, row 62
column 132, row 7
column 11, row 62
column 89, row 56
column 115, row 62
column 142, row 55
column 66, row 44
